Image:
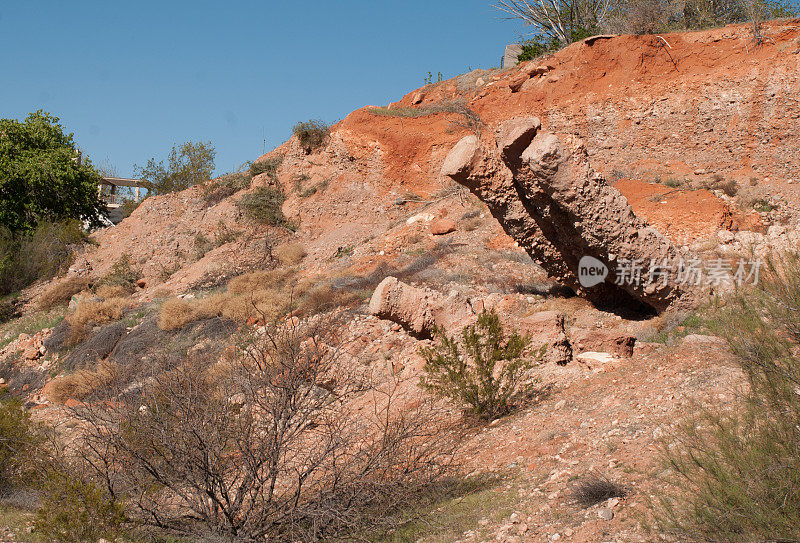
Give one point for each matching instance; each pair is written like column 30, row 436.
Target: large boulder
column 420, row 310
column 546, row 196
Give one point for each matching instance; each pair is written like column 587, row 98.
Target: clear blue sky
column 130, row 79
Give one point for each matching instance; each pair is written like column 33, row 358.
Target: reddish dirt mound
column 685, row 216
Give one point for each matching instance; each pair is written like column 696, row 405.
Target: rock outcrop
column 545, row 194
column 547, row 327
column 421, row 311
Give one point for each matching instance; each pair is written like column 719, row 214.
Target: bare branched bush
column 280, row 441
column 594, row 489
column 565, row 21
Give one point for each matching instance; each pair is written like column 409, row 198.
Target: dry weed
column 112, row 291
column 290, row 253
column 82, row 383
column 61, row 292
column 91, row 312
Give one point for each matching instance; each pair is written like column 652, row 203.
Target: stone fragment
column 420, row 311
column 605, row 513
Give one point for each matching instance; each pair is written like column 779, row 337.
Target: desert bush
column 268, row 166
column 62, row 292
column 98, row 346
column 311, row 134
column 19, row 442
column 735, row 471
column 40, row 254
column 718, row 182
column 204, row 244
column 324, row 298
column 594, row 489
column 82, row 383
column 122, row 274
column 290, row 254
column 271, row 446
column 263, row 205
column 76, row 510
column 223, row 187
column 486, row 372
column 264, row 295
column 91, row 312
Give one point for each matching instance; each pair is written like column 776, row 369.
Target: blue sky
column 130, row 79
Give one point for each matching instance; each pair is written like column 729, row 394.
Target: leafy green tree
column 187, row 165
column 486, row 372
column 41, row 175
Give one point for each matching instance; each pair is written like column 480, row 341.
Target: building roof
column 124, row 182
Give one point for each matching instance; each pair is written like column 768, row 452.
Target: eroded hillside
column 696, row 130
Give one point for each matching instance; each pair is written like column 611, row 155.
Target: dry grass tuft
column 77, row 333
column 61, row 292
column 107, row 292
column 323, row 298
column 290, row 253
column 177, row 313
column 90, row 312
column 264, row 295
column 82, row 383
column 259, row 280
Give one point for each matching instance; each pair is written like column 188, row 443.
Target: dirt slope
column 671, row 121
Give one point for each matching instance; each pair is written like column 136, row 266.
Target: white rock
column 605, row 514
column 424, row 217
column 596, row 357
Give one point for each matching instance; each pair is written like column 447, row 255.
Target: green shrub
column 122, row 274
column 73, row 510
column 263, row 205
column 187, row 165
column 269, row 166
column 217, row 190
column 19, row 442
column 486, row 372
column 42, row 177
column 40, row 254
column 736, row 471
column 537, row 47
column 311, row 134
column 9, row 308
